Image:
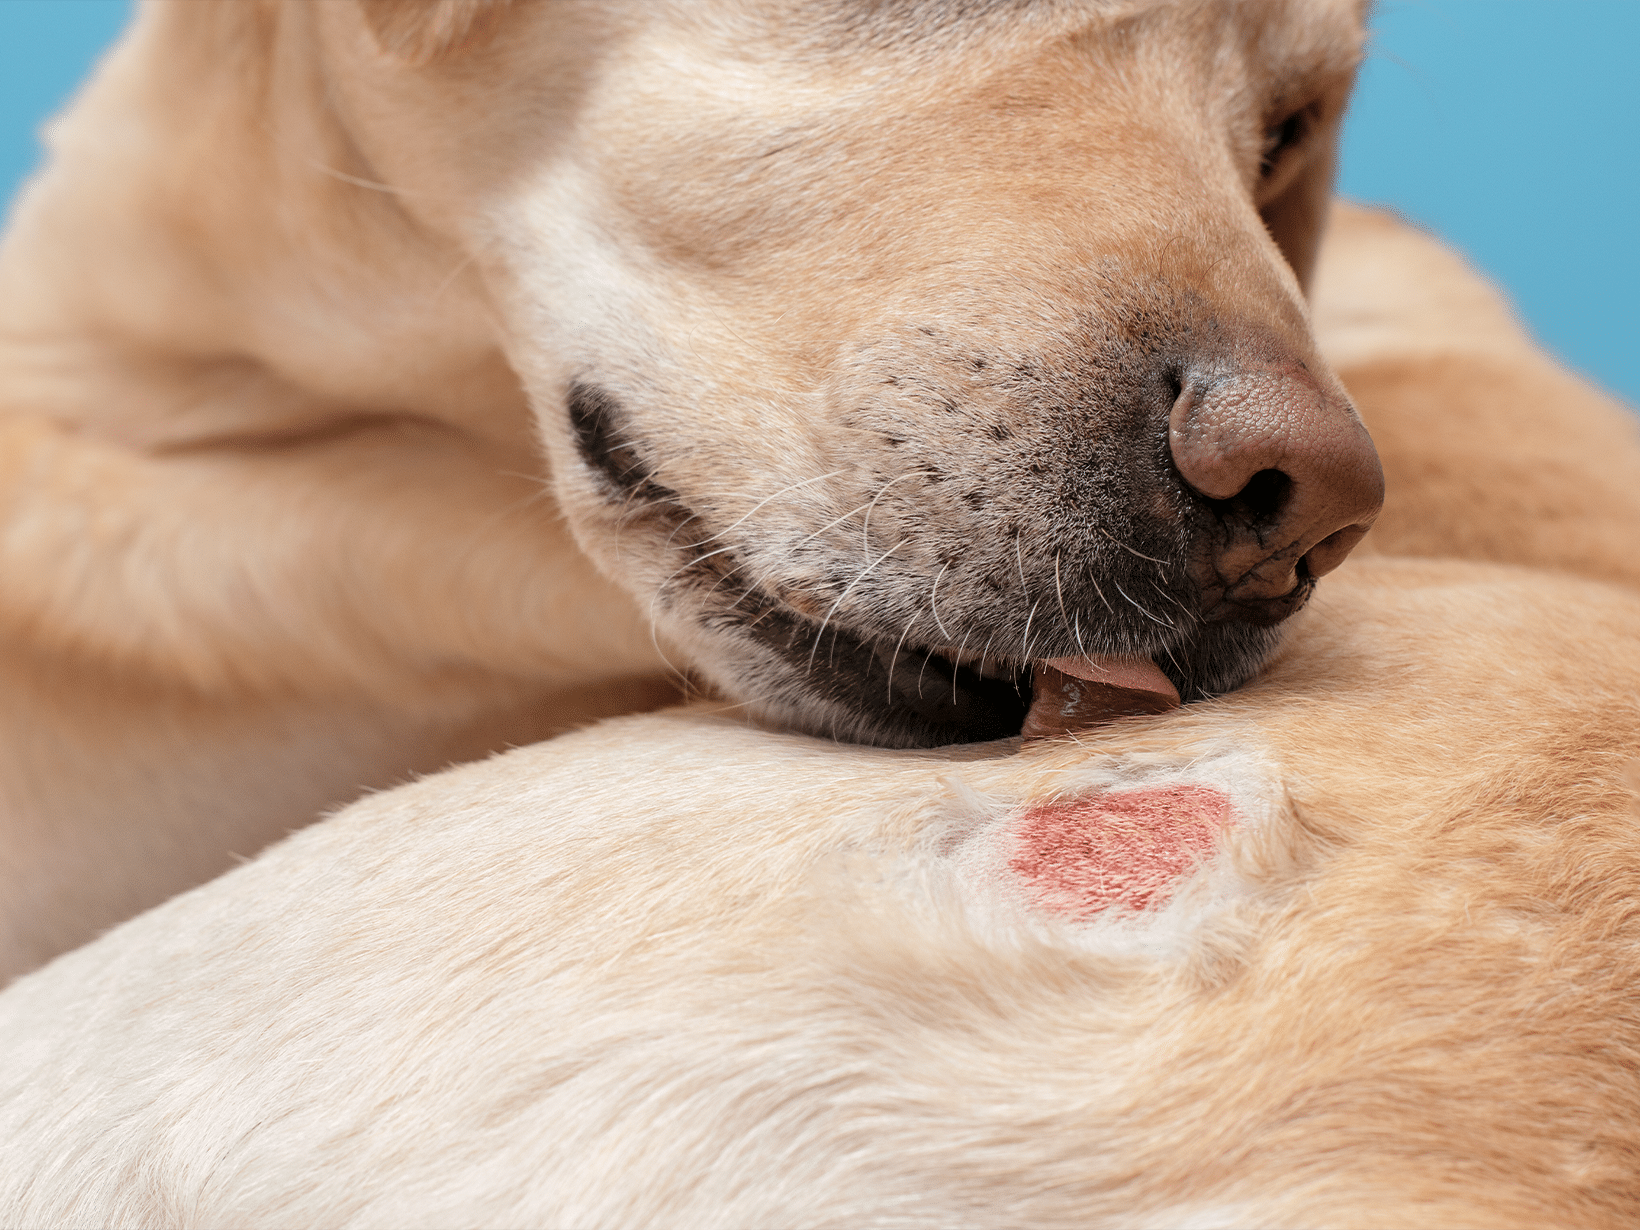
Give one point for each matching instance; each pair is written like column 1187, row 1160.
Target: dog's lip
column 903, row 691
column 986, row 666
column 1080, row 692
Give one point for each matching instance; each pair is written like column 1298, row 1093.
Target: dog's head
column 883, row 347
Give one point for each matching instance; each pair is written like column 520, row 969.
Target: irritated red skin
column 1125, row 848
column 1062, row 703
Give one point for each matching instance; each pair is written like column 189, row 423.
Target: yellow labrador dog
column 385, row 381
column 1354, row 947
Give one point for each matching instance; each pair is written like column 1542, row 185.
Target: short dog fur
column 675, row 972
column 387, row 381
column 672, row 971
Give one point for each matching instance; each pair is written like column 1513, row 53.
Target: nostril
column 1261, row 502
column 1284, row 468
column 1327, row 554
column 1175, row 385
column 1264, row 498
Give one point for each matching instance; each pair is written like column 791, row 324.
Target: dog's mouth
column 853, row 679
column 850, row 686
column 1064, row 695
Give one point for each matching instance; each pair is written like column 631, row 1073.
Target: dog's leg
column 203, row 650
column 274, row 528
column 368, row 563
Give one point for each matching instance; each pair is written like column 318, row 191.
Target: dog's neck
column 207, row 222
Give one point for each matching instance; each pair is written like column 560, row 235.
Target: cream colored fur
column 289, row 506
column 675, row 972
column 129, row 788
column 1492, row 450
column 672, row 971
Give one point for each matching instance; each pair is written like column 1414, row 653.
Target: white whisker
column 688, row 564
column 722, row 577
column 357, row 182
column 805, row 541
column 1141, row 609
column 454, row 274
column 654, row 639
column 865, row 528
column 840, row 597
column 1172, row 599
column 1025, row 637
column 1098, row 589
column 956, row 664
column 934, row 609
column 1164, row 563
column 752, row 511
column 1060, row 590
column 985, row 654
column 894, row 660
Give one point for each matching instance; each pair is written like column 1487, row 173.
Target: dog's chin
column 838, row 683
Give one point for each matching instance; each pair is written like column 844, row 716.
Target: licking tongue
column 1074, row 693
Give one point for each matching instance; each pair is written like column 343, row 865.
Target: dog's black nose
column 1287, row 470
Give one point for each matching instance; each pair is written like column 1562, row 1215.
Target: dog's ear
column 1298, row 215
column 417, row 32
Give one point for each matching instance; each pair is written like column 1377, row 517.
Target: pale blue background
column 1508, row 126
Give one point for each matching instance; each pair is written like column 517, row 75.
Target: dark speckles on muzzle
column 1086, row 491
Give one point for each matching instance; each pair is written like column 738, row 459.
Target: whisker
column 805, row 541
column 372, row 184
column 1164, row 563
column 1172, row 599
column 1099, row 589
column 1060, row 590
column 956, row 666
column 655, row 640
column 722, row 577
column 752, row 511
column 934, row 609
column 865, row 529
column 454, row 274
column 894, row 659
column 985, row 654
column 682, row 525
column 1167, row 649
column 862, row 576
column 1019, row 554
column 688, row 564
column 1141, row 609
column 746, row 592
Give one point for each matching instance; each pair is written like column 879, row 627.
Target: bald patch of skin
column 1124, row 848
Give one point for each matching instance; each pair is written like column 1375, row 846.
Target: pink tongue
column 1134, row 674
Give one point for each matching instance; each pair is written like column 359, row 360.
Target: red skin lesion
column 1122, row 848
